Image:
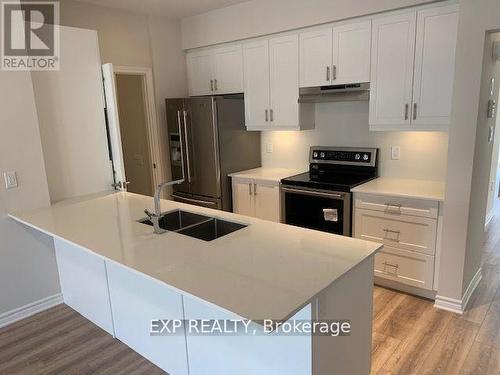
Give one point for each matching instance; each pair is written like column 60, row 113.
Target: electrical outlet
column 395, row 152
column 269, row 148
column 10, row 180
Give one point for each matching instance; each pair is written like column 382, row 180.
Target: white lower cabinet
column 255, row 198
column 246, row 354
column 408, row 228
column 136, row 300
column 84, row 284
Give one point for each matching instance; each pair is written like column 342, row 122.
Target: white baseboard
column 30, row 309
column 459, row 305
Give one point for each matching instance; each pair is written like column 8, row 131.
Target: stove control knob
column 315, row 155
column 357, row 156
column 365, row 157
column 322, row 155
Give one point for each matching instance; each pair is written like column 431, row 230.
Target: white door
column 115, row 140
column 243, row 202
column 351, row 53
column 284, row 85
column 228, row 70
column 434, row 66
column 256, row 73
column 316, row 57
column 267, row 202
column 393, row 50
column 200, row 77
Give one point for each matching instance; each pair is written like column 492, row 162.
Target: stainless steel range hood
column 335, row 93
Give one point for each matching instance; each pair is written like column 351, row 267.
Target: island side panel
column 349, row 298
column 84, row 283
column 246, row 355
column 136, row 300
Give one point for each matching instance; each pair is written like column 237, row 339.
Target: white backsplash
column 423, row 154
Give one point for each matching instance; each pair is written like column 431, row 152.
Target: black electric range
column 321, row 198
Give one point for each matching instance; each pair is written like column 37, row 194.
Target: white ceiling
column 169, row 8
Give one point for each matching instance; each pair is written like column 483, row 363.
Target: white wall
column 261, row 17
column 461, row 253
column 28, row 270
column 70, row 104
column 423, row 154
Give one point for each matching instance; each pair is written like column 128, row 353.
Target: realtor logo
column 30, row 35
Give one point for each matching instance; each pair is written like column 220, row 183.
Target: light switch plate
column 269, row 148
column 10, row 180
column 395, row 152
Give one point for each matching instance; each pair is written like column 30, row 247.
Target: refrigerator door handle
column 184, row 117
column 181, row 144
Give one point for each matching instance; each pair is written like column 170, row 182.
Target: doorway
column 131, row 107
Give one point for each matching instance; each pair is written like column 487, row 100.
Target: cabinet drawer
column 404, row 232
column 397, row 206
column 405, row 267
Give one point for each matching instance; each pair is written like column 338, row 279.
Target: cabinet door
column 228, row 70
column 393, row 42
column 83, row 283
column 243, row 202
column 434, row 66
column 199, row 66
column 267, row 202
column 284, row 84
column 136, row 300
column 256, row 73
column 351, row 53
column 315, row 57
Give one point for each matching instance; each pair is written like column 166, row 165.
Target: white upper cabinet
column 271, row 71
column 393, row 45
column 215, row 71
column 199, row 66
column 334, row 56
column 351, row 53
column 228, row 70
column 256, row 72
column 284, row 81
column 316, row 57
column 434, row 66
column 412, row 69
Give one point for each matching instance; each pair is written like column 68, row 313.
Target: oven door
column 322, row 210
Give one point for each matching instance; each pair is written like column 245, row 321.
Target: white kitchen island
column 120, row 275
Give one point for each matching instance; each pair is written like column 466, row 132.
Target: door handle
column 211, row 85
column 334, row 72
column 406, row 110
column 184, row 116
column 271, row 113
column 254, row 189
column 215, row 84
column 414, row 111
column 193, row 200
column 180, row 142
column 267, row 115
column 249, row 189
column 328, row 74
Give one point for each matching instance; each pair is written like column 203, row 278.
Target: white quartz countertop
column 267, row 174
column 264, row 271
column 407, row 188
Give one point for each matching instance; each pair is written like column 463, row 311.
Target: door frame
column 152, row 125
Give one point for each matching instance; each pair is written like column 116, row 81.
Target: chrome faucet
column 156, row 216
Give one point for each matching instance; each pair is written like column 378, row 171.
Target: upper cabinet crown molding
column 412, row 69
column 216, row 70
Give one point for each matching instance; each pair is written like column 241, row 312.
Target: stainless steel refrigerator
column 208, row 140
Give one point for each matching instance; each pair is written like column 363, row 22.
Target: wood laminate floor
column 410, row 336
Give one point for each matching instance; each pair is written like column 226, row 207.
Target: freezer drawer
column 195, row 200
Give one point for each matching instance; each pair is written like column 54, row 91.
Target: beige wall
column 261, row 17
column 28, row 269
column 423, row 154
column 460, row 257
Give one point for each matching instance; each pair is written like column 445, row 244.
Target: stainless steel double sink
column 203, row 227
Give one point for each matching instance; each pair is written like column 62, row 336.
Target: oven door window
column 315, row 212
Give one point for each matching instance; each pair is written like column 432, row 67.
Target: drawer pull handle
column 396, row 232
column 393, row 208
